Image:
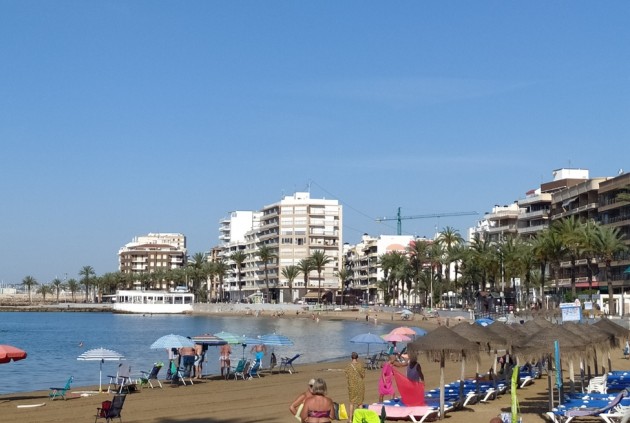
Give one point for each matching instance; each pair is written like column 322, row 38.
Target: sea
column 54, row 340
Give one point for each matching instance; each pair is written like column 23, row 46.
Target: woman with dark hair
column 414, row 371
column 318, row 408
column 355, row 374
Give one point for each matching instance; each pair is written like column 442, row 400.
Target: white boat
column 153, row 302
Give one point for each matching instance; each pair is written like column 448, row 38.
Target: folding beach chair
column 254, row 370
column 122, row 381
column 147, row 377
column 287, row 363
column 110, row 410
column 60, row 392
column 238, row 369
column 244, row 373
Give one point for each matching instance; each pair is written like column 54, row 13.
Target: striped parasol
column 276, row 340
column 229, row 337
column 102, row 355
column 208, row 339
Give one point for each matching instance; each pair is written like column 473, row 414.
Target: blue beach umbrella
column 419, row 331
column 367, row 338
column 276, row 340
column 172, row 341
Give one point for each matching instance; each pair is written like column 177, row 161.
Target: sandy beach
column 261, row 400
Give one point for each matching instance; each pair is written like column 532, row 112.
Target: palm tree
column 319, row 260
column 290, row 272
column 29, row 282
column 73, row 287
column 44, row 290
column 570, row 232
column 58, row 286
column 266, row 255
column 418, row 252
column 609, row 243
column 239, row 257
column 449, row 238
column 195, row 270
column 343, row 275
column 220, row 270
column 305, row 266
column 87, row 272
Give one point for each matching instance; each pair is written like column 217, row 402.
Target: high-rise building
column 152, row 252
column 292, row 229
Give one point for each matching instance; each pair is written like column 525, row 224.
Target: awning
column 313, row 294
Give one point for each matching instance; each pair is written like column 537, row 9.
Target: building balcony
column 531, row 229
column 538, row 214
column 502, row 214
column 504, row 228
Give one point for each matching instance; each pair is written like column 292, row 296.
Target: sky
column 121, row 118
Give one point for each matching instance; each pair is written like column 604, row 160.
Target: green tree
column 73, row 287
column 319, row 260
column 418, row 251
column 87, row 272
column 266, row 255
column 44, row 290
column 57, row 285
column 571, row 234
column 305, row 267
column 290, row 272
column 343, row 275
column 220, row 270
column 609, row 242
column 29, row 282
column 239, row 257
column 449, row 239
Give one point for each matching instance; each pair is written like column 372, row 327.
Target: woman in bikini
column 318, row 408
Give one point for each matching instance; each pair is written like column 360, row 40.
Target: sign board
column 571, row 312
column 588, row 305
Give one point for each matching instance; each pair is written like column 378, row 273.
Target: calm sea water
column 52, row 341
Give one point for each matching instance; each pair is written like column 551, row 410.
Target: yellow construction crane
column 400, row 218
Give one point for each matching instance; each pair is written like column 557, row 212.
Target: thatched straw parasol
column 621, row 334
column 439, row 343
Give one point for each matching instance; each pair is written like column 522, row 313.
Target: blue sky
column 121, row 118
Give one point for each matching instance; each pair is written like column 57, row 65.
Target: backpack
column 105, row 406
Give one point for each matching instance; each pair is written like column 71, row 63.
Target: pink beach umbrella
column 403, row 330
column 396, row 337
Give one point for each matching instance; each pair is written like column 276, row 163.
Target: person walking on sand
column 355, row 375
column 386, row 381
column 224, row 360
column 296, row 406
column 199, row 357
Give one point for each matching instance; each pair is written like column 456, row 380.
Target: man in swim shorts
column 224, row 360
column 259, row 351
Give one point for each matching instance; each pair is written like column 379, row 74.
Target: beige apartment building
column 292, row 229
column 152, row 252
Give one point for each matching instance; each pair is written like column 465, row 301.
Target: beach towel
column 412, row 393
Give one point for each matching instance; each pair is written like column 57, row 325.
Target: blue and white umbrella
column 419, row 331
column 102, row 355
column 367, row 338
column 172, row 341
column 276, row 340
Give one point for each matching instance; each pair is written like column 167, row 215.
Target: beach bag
column 343, row 413
column 105, row 406
column 299, row 412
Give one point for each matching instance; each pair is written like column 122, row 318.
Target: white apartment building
column 362, row 263
column 236, row 232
